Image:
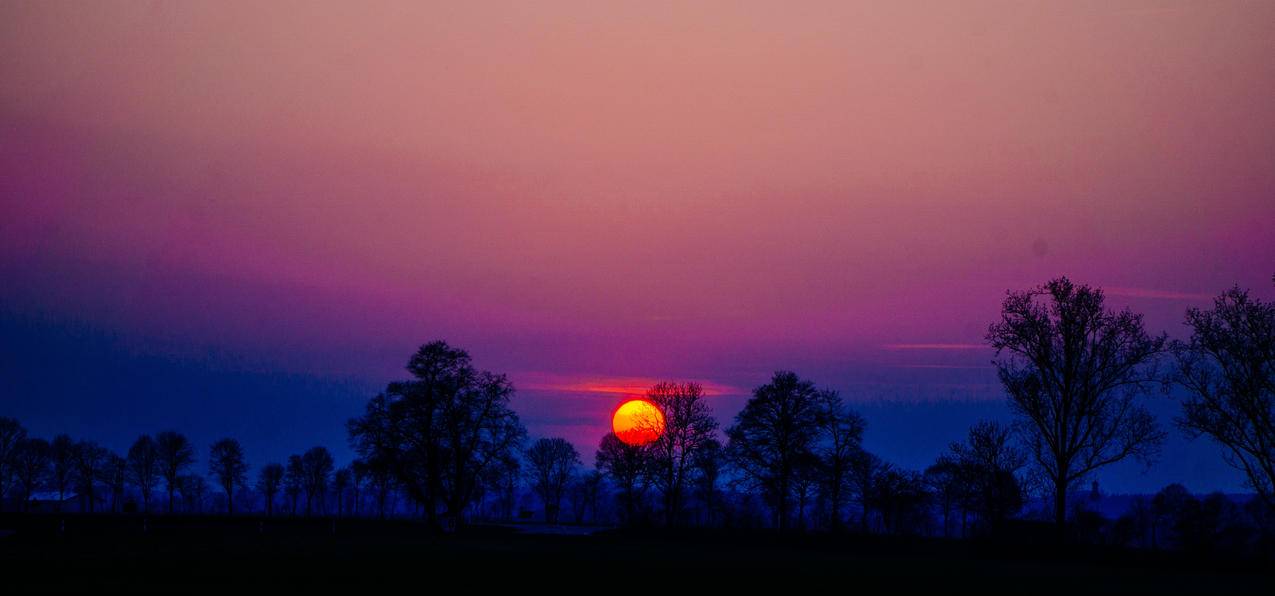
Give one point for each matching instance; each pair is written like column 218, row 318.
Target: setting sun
column 637, row 422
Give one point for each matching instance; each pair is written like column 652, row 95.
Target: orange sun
column 637, row 422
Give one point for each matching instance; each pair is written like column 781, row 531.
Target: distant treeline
column 445, row 445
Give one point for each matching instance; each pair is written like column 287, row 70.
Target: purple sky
column 592, row 196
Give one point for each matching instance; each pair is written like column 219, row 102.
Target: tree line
column 446, row 445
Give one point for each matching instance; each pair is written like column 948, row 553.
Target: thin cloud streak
column 934, row 346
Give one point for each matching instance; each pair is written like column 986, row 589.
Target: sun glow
column 637, row 422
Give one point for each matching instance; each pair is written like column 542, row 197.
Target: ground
column 180, row 554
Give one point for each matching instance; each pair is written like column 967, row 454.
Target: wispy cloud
column 609, row 385
column 1153, row 293
column 934, row 346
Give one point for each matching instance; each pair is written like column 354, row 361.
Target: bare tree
column 688, row 426
column 629, row 467
column 294, row 482
column 269, row 480
column 1228, row 367
column 90, row 466
column 175, row 455
column 552, row 462
column 709, row 462
column 62, row 452
column 143, row 467
column 226, row 463
column 194, row 491
column 841, row 441
column 949, row 488
column 865, row 468
column 11, row 435
column 31, row 466
column 989, row 465
column 316, row 466
column 341, row 481
column 116, row 476
column 1073, row 371
column 775, row 436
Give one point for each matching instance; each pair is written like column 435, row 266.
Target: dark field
column 182, row 554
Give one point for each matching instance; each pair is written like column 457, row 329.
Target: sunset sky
column 240, row 218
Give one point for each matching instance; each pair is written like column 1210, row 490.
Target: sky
column 241, row 219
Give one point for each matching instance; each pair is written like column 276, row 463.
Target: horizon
column 236, row 220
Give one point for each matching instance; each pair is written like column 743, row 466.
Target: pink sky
column 592, row 191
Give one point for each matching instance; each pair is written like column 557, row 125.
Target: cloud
column 1152, row 293
column 536, row 381
column 934, row 346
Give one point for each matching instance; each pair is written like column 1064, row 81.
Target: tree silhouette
column 31, row 466
column 865, row 469
column 294, row 481
column 628, row 466
column 341, row 480
column 62, row 452
column 709, row 464
column 901, row 497
column 774, row 438
column 439, row 432
column 269, row 480
column 89, row 461
column 115, row 473
column 316, row 471
column 948, row 484
column 11, row 435
column 552, row 462
column 688, row 427
column 1073, row 371
column 175, row 455
column 193, row 489
column 226, row 463
column 840, row 444
column 989, row 466
column 375, row 438
column 144, row 467
column 1228, row 367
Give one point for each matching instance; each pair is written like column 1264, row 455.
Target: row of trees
column 448, row 442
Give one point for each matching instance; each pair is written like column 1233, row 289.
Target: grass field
column 182, row 554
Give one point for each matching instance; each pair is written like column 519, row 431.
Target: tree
column 865, row 469
column 31, row 466
column 708, row 469
column 90, row 467
column 774, row 438
column 227, row 465
column 841, row 442
column 143, row 467
column 1073, row 371
column 628, row 466
column 341, row 481
column 11, row 435
column 294, row 481
column 1228, row 368
column 440, row 431
column 316, row 470
column 62, row 452
column 552, row 463
column 175, row 454
column 116, row 477
column 269, row 479
column 947, row 484
column 688, row 427
column 989, row 464
column 901, row 498
column 194, row 489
